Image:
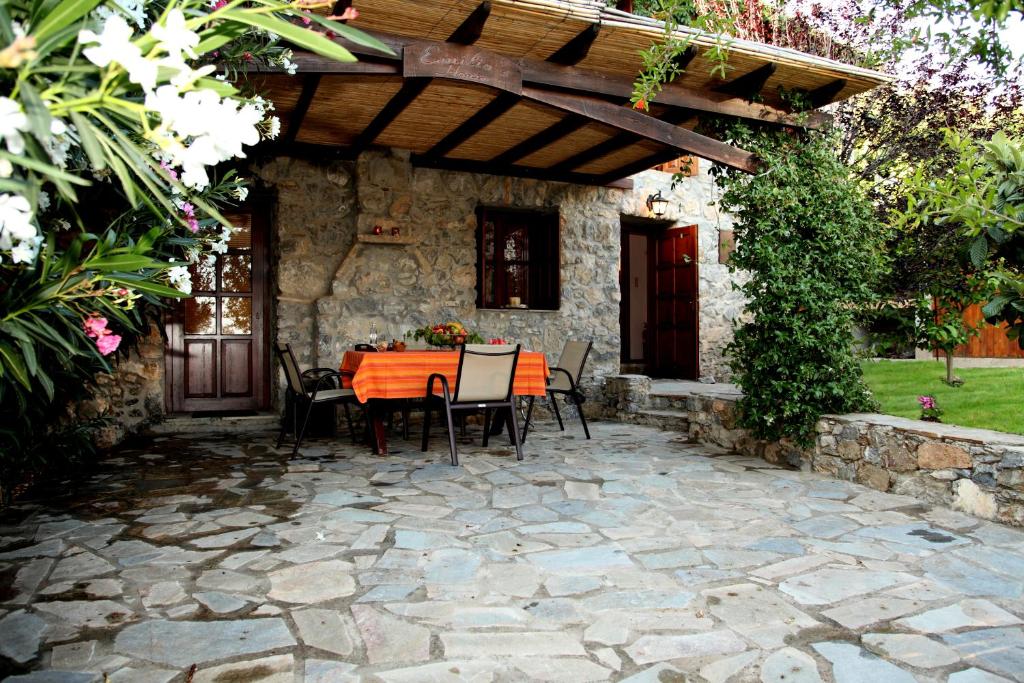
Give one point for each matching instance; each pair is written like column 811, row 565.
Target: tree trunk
column 949, row 367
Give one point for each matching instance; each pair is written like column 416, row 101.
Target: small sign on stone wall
column 687, row 166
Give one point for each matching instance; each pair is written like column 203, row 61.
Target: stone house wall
column 977, row 471
column 332, row 287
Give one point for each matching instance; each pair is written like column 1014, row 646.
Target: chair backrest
column 291, row 368
column 573, row 359
column 486, row 373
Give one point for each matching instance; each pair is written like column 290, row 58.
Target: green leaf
column 222, row 88
column 302, row 37
column 50, row 172
column 351, row 34
column 993, row 307
column 14, row 362
column 122, row 262
column 220, row 36
column 149, row 287
column 979, row 251
column 35, row 109
column 65, row 14
column 90, row 143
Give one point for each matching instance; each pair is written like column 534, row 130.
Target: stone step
column 667, row 419
column 668, row 401
column 187, row 424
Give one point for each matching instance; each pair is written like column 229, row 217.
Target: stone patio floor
column 634, row 556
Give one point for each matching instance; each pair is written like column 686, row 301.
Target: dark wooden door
column 218, row 345
column 675, row 304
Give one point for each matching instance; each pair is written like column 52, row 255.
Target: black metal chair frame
column 451, row 406
column 573, row 394
column 320, row 376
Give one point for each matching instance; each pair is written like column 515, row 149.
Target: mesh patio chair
column 565, row 381
column 326, row 389
column 484, row 381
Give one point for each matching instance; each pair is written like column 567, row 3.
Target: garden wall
column 977, row 471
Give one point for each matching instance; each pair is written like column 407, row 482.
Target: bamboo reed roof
column 537, row 88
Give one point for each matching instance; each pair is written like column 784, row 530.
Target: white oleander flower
column 115, row 45
column 134, row 10
column 17, row 232
column 43, row 201
column 241, row 192
column 180, row 279
column 6, row 168
column 12, row 123
column 274, row 127
column 174, row 37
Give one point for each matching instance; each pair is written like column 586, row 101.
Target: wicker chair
column 326, row 389
column 565, row 381
column 484, row 381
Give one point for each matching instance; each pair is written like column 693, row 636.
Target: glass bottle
column 373, row 334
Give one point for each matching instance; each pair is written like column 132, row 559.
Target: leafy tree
column 983, row 197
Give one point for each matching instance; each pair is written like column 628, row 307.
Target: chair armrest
column 444, row 387
column 572, row 382
column 321, row 374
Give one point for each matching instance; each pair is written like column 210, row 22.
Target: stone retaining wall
column 977, row 471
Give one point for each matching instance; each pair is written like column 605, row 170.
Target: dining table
column 379, row 378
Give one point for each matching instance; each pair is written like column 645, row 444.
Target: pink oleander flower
column 306, row 20
column 193, row 224
column 349, row 14
column 108, row 343
column 170, row 171
column 95, row 326
column 188, row 209
column 927, row 402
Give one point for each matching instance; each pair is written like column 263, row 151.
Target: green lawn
column 991, row 398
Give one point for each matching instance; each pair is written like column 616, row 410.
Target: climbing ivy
column 808, row 245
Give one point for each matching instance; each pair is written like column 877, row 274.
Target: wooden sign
column 461, row 63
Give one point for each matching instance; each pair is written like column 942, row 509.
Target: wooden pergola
column 536, row 88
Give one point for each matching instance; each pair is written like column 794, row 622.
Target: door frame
column 652, row 228
column 259, row 206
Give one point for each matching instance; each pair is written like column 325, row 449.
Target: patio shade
column 537, row 88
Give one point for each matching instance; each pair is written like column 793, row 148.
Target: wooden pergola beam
column 615, row 143
column 823, row 95
column 309, row 86
column 576, row 50
column 485, row 167
column 467, row 33
column 473, row 27
column 474, row 124
column 546, row 74
column 750, row 84
column 553, row 133
column 639, row 165
column 643, row 125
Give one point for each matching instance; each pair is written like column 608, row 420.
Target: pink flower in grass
column 95, row 326
column 108, row 343
column 927, row 402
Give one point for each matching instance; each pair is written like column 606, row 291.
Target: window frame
column 545, row 221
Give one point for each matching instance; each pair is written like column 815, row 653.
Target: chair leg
column 513, row 429
column 302, row 432
column 426, row 422
column 284, row 427
column 406, row 411
column 451, row 435
column 487, row 426
column 554, row 405
column 583, row 418
column 348, row 419
column 529, row 414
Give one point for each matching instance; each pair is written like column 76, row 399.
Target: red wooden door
column 217, row 346
column 675, row 304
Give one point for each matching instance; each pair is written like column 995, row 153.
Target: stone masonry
column 332, row 287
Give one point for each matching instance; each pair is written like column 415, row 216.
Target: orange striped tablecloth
column 404, row 374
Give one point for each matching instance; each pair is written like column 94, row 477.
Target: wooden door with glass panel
column 217, row 339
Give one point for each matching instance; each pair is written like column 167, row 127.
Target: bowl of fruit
column 445, row 335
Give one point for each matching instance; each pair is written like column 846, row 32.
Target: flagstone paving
column 634, row 556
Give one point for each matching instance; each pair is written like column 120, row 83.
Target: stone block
column 849, row 450
column 970, row 498
column 934, row 455
column 898, row 459
column 873, row 476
